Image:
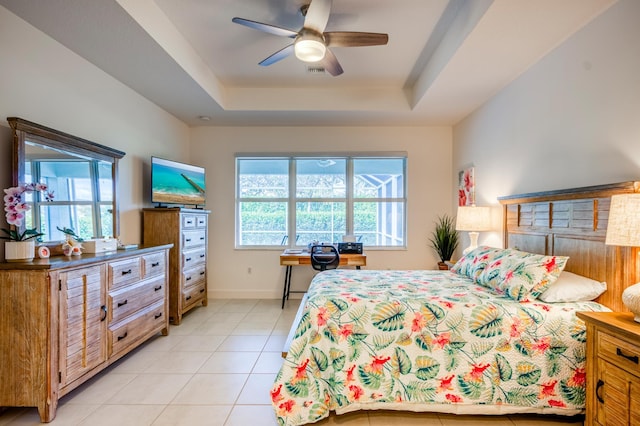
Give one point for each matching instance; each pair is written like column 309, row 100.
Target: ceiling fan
column 311, row 43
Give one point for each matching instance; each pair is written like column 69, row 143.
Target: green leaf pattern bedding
column 428, row 341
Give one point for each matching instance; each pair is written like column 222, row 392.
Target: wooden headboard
column 573, row 222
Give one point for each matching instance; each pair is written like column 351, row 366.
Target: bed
column 475, row 340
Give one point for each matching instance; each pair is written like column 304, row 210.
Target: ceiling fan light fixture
column 309, row 47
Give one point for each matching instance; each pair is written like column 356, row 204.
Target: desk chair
column 324, row 257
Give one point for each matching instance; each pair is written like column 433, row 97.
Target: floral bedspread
column 428, row 341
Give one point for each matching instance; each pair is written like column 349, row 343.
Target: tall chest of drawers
column 65, row 319
column 613, row 369
column 187, row 230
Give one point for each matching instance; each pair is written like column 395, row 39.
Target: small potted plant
column 21, row 245
column 444, row 239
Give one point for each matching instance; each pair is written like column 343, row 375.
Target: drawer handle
column 188, row 279
column 598, row 386
column 188, row 298
column 156, row 316
column 201, row 256
column 122, row 337
column 157, row 288
column 188, row 240
column 202, row 290
column 127, row 272
column 201, row 238
column 103, row 308
column 154, row 264
column 202, row 273
column 632, row 358
column 188, row 259
column 122, row 303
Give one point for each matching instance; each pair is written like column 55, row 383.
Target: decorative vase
column 631, row 299
column 19, row 251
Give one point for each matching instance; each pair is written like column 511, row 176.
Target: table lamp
column 623, row 229
column 473, row 219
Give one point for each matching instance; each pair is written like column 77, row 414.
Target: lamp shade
column 623, row 228
column 473, row 218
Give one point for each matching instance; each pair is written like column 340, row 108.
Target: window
column 291, row 201
column 77, row 204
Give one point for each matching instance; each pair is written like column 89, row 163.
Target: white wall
column 572, row 120
column 430, row 193
column 44, row 82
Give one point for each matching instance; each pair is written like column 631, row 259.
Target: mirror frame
column 24, row 131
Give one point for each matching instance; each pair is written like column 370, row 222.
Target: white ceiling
column 443, row 60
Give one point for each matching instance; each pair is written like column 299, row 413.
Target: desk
column 304, row 259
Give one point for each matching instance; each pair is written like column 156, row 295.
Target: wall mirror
column 82, row 174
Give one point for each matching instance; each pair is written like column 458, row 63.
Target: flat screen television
column 177, row 183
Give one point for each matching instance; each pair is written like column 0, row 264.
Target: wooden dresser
column 613, row 369
column 65, row 319
column 187, row 230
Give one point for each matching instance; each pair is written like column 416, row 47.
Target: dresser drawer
column 128, row 300
column 619, row 352
column 193, row 257
column 193, row 238
column 193, row 294
column 124, row 272
column 123, row 335
column 153, row 264
column 189, row 221
column 193, row 276
column 201, row 221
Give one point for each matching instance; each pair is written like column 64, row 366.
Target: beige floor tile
column 243, row 344
column 179, row 362
column 99, row 389
column 193, row 415
column 136, row 363
column 454, row 420
column 252, row 415
column 531, row 420
column 358, row 418
column 239, row 305
column 151, row 389
column 256, row 390
column 230, row 362
column 275, row 343
column 161, row 343
column 394, row 418
column 199, row 343
column 252, row 329
column 211, row 389
column 268, row 362
column 214, row 328
column 123, row 415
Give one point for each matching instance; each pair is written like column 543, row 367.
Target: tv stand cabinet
column 65, row 319
column 187, row 230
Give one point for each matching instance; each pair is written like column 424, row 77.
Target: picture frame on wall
column 466, row 187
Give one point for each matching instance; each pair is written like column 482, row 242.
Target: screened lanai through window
column 292, row 201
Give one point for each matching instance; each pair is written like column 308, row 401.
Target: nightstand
column 613, row 369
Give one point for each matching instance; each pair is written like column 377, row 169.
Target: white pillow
column 573, row 288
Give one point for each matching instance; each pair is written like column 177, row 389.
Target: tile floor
column 216, row 368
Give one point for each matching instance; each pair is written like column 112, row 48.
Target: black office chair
column 324, row 257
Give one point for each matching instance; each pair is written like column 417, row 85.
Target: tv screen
column 176, row 183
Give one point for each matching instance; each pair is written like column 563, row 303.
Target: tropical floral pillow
column 519, row 275
column 473, row 263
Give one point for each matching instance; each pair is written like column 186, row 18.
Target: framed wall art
column 466, row 187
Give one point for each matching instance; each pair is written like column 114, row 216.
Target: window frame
column 292, row 200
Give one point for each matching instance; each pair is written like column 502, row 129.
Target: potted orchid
column 21, row 245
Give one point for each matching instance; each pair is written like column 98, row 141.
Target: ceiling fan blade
column 278, row 56
column 331, row 64
column 318, row 15
column 354, row 39
column 267, row 28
